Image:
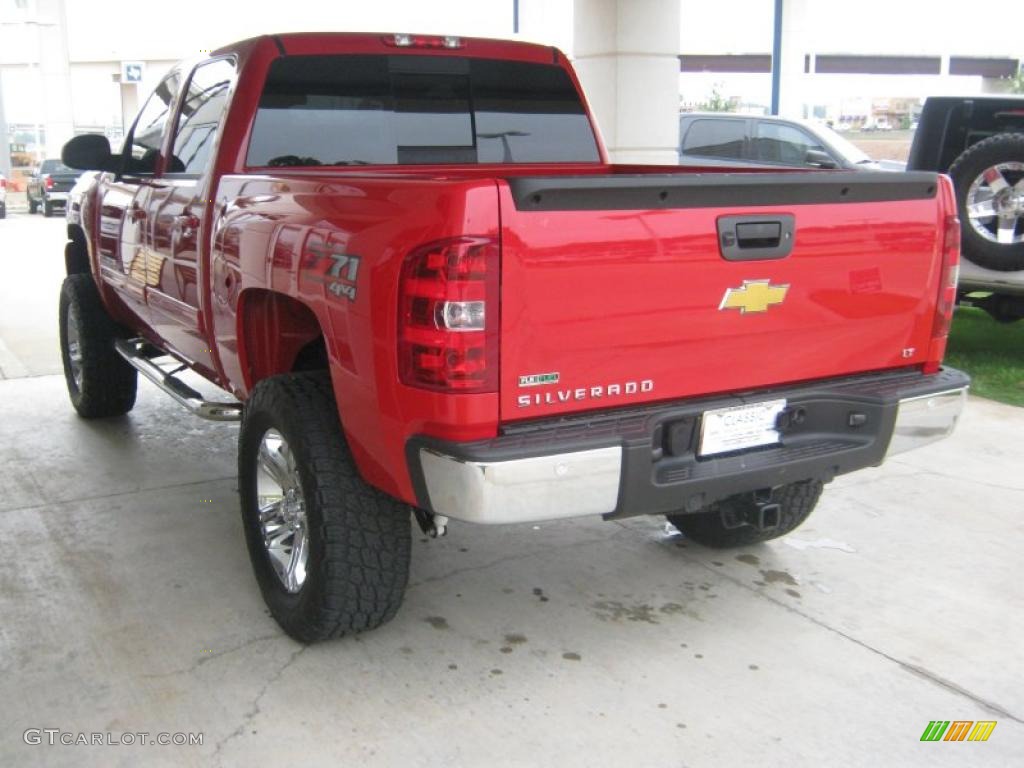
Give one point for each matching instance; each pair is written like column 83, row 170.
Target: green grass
column 992, row 353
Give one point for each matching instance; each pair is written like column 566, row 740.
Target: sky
column 208, row 24
column 895, row 27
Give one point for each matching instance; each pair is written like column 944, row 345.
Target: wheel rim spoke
column 995, row 179
column 281, row 510
column 1007, row 230
column 275, row 463
column 296, row 573
column 995, row 203
column 280, row 560
column 270, row 511
column 276, row 536
column 74, row 346
column 983, row 209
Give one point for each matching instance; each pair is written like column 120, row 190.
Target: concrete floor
column 127, row 604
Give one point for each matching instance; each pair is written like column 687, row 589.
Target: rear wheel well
column 278, row 334
column 76, row 252
column 312, row 357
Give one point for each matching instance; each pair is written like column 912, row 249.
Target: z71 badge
column 340, row 277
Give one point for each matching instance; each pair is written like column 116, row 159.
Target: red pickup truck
column 409, row 261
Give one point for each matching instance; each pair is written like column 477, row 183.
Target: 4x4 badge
column 754, row 296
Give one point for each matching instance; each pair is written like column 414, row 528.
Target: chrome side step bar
column 134, row 351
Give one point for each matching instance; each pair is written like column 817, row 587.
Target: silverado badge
column 753, row 296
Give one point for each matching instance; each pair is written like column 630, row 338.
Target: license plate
column 742, row 426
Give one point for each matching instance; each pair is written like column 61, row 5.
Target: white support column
column 5, row 139
column 129, row 104
column 626, row 53
column 796, row 42
column 54, row 74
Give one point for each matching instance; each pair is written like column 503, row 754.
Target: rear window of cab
column 408, row 109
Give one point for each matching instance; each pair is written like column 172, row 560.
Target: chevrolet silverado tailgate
column 624, row 289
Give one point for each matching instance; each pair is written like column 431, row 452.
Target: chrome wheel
column 74, row 346
column 995, row 203
column 282, row 511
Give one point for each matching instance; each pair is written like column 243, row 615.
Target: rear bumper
column 925, row 419
column 644, row 461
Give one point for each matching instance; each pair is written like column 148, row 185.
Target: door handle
column 756, row 237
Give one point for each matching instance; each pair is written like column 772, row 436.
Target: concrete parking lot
column 127, row 605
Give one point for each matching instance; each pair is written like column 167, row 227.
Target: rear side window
column 779, row 143
column 715, row 138
column 201, row 112
column 356, row 110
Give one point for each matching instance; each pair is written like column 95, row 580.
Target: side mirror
column 89, row 152
column 819, row 159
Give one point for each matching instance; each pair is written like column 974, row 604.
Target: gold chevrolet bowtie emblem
column 753, row 296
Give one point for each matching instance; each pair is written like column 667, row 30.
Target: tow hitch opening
column 762, row 512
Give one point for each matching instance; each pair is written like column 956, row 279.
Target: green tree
column 717, row 102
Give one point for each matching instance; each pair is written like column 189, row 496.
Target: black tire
column 1001, row 307
column 47, row 208
column 33, row 206
column 107, row 384
column 721, row 525
column 1002, row 148
column 359, row 539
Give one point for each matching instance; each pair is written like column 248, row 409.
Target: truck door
column 123, row 201
column 181, row 213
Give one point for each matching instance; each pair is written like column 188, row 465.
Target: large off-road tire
column 100, row 382
column 47, row 208
column 723, row 524
column 330, row 552
column 989, row 182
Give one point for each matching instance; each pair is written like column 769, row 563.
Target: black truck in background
column 979, row 142
column 49, row 187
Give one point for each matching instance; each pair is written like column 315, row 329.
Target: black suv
column 979, row 142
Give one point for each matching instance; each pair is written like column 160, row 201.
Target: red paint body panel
column 271, row 235
column 635, row 296
column 602, row 297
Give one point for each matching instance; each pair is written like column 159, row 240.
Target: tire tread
column 109, row 383
column 366, row 534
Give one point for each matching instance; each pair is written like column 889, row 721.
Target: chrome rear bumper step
column 135, row 352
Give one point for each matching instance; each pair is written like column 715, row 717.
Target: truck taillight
column 448, row 316
column 48, row 181
column 947, row 294
column 3, row 183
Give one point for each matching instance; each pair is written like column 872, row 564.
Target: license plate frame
column 739, row 427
